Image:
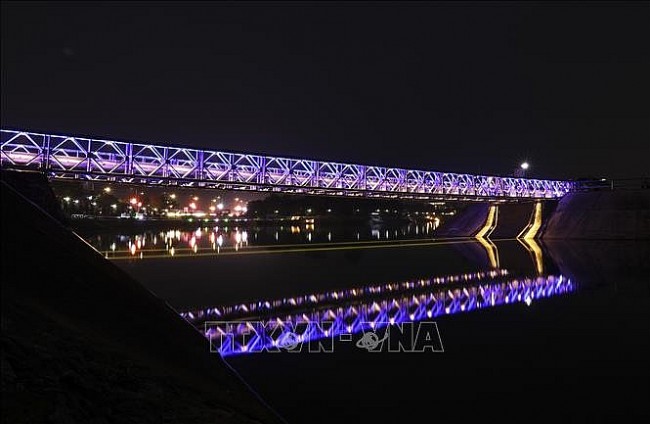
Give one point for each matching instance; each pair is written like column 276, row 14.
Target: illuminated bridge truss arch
column 103, row 160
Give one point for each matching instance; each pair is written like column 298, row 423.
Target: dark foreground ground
column 82, row 342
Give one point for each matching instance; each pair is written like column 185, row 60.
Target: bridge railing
column 616, row 184
column 94, row 159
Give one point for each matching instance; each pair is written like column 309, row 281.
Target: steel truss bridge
column 91, row 159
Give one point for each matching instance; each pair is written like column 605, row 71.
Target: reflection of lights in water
column 113, row 247
column 220, row 240
column 132, row 249
column 357, row 315
column 235, row 235
column 492, row 251
column 535, row 251
column 172, row 251
column 195, row 248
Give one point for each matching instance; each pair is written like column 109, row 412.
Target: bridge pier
column 497, row 221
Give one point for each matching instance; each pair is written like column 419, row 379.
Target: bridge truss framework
column 103, row 160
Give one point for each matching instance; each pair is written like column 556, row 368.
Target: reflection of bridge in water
column 103, row 160
column 264, row 325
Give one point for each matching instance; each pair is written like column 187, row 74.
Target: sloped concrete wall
column 91, row 343
column 466, row 223
column 512, row 219
column 601, row 215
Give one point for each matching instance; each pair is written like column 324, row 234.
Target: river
column 392, row 324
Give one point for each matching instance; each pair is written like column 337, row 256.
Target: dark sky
column 453, row 87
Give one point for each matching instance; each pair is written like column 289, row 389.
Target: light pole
column 521, row 171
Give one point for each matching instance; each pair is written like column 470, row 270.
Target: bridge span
column 72, row 157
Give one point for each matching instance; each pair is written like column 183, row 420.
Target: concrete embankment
column 604, row 215
column 84, row 342
column 512, row 218
column 601, row 215
column 466, row 223
column 505, row 221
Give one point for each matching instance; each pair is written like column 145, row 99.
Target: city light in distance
column 525, row 166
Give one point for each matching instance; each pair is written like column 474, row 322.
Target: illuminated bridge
column 62, row 156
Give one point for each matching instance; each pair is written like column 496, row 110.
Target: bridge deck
column 103, row 160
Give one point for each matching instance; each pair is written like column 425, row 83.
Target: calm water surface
column 560, row 329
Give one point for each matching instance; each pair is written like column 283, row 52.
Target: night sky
column 454, row 87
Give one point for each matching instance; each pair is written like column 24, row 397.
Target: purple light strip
column 315, row 299
column 358, row 315
column 69, row 156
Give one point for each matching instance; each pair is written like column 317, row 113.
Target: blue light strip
column 357, row 315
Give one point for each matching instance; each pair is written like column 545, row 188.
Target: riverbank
column 84, row 342
column 592, row 215
column 601, row 215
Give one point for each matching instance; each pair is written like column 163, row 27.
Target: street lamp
column 520, row 172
